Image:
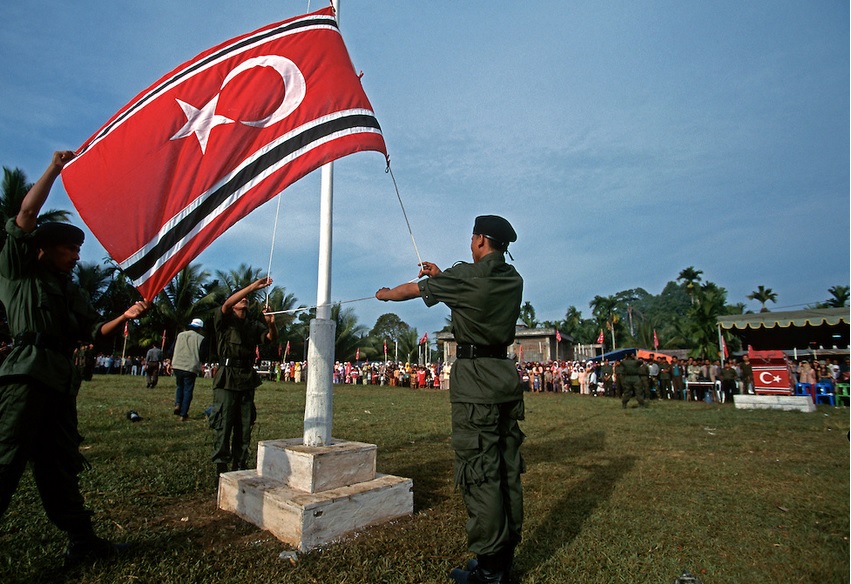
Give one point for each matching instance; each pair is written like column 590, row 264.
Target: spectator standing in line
column 153, row 360
column 190, row 352
column 747, row 375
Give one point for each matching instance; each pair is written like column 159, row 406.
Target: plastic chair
column 825, row 391
column 804, row 389
column 842, row 391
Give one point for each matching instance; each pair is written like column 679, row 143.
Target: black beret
column 496, row 228
column 56, row 233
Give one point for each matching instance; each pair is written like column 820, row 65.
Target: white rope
column 272, row 249
column 404, row 214
column 303, row 308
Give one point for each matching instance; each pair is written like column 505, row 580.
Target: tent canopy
column 820, row 327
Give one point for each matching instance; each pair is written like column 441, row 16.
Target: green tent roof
column 796, row 318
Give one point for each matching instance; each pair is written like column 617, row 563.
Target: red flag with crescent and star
column 215, row 138
column 775, row 378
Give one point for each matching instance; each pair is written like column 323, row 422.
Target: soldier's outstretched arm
column 37, row 195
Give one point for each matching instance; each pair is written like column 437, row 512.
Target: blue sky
column 624, row 140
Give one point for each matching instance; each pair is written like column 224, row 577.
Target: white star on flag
column 201, row 121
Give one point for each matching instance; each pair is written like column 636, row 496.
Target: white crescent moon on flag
column 294, row 86
column 771, row 378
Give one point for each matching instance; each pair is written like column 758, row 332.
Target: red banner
column 215, row 138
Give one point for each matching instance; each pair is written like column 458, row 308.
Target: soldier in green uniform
column 644, row 373
column 48, row 316
column 666, row 389
column 233, row 414
column 606, row 373
column 629, row 378
column 485, row 392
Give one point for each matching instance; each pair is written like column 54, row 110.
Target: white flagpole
column 318, row 409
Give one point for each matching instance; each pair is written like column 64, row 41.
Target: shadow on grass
column 431, row 477
column 563, row 522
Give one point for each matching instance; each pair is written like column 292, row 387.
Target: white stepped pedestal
column 307, row 496
column 801, row 403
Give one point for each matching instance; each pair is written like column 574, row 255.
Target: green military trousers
column 632, row 386
column 486, row 439
column 39, row 425
column 232, row 420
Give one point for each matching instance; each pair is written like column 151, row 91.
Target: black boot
column 90, row 548
column 488, row 569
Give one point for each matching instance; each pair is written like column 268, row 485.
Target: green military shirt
column 41, row 300
column 665, row 370
column 485, row 301
column 237, row 339
column 630, row 368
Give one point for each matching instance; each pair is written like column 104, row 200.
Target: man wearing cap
column 485, row 392
column 233, row 415
column 48, row 316
column 187, row 364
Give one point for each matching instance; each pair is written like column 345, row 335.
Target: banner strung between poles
column 214, row 139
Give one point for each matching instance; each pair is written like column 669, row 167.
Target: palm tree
column 605, row 312
column 763, row 295
column 690, row 276
column 840, row 296
column 527, row 315
column 93, row 279
column 15, row 188
column 703, row 320
column 184, row 298
column 348, row 334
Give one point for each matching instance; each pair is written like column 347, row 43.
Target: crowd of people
column 662, row 380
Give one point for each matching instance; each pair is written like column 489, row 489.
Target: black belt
column 45, row 341
column 466, row 351
column 237, row 363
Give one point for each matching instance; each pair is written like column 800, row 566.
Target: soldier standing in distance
column 629, row 378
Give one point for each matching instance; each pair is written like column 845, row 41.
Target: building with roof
column 816, row 331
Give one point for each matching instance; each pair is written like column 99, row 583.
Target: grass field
column 612, row 495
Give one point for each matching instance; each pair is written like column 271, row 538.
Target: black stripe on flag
column 224, row 52
column 185, row 226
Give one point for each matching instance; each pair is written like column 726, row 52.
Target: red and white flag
column 424, row 339
column 771, row 378
column 126, row 329
column 215, row 138
column 558, row 335
column 357, row 354
column 655, row 340
column 600, row 338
